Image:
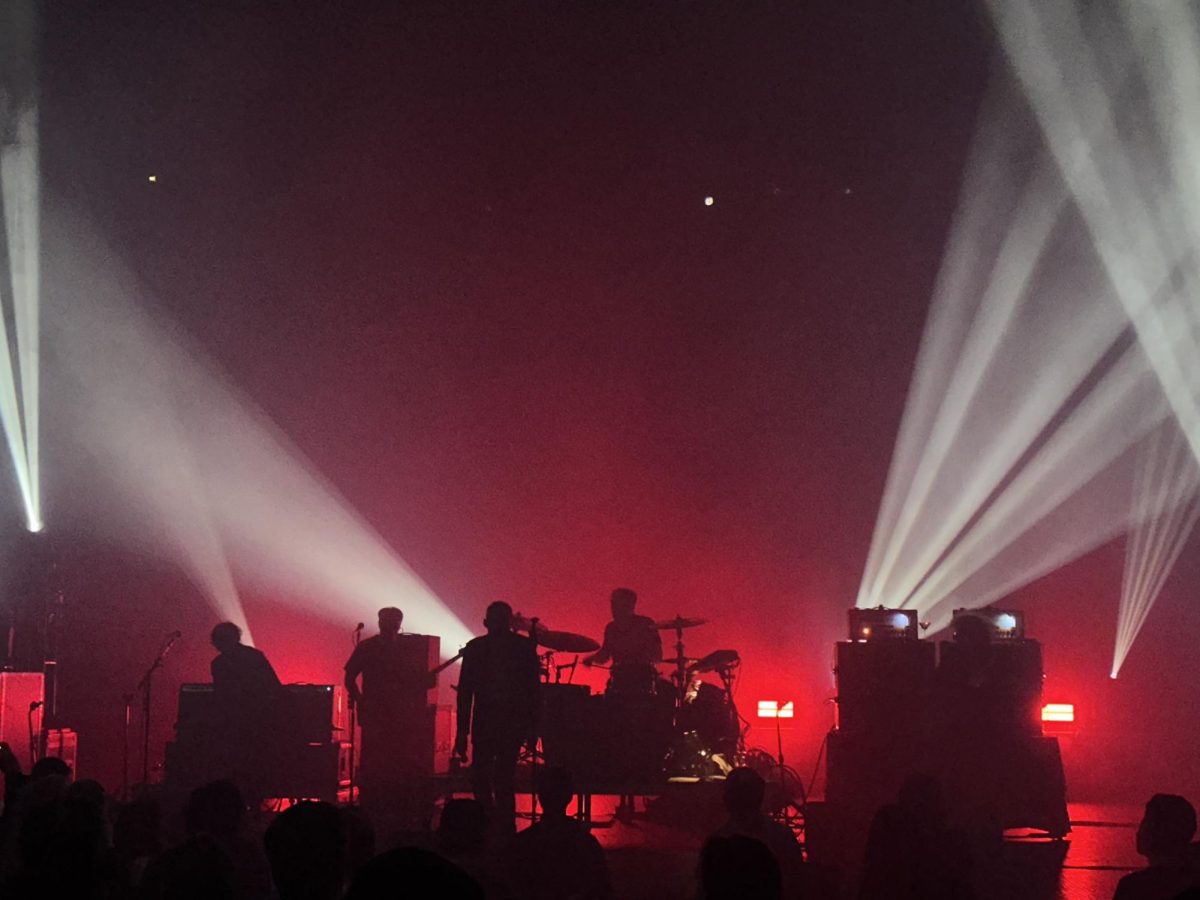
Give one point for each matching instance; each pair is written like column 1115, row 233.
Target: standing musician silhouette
column 497, row 709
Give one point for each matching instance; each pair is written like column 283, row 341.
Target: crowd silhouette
column 64, row 838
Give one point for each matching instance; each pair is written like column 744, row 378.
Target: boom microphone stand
column 144, row 687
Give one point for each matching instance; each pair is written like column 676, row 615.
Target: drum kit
column 703, row 737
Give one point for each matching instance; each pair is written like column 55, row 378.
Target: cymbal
column 718, row 659
column 679, row 622
column 685, row 661
column 565, row 641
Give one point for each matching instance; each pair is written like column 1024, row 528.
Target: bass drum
column 708, row 714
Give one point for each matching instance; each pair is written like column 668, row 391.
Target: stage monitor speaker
column 18, row 692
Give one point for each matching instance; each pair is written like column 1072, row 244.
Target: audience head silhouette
column 739, row 868
column 306, row 847
column 48, row 767
column 395, row 873
column 555, row 788
column 215, row 808
column 744, row 792
column 1167, row 827
column 463, row 827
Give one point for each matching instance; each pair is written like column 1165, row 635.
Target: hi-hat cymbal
column 566, row 641
column 679, row 622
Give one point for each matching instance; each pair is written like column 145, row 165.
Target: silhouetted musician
column 393, row 669
column 633, row 644
column 497, row 706
column 247, row 700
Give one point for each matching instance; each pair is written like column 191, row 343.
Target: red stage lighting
column 1058, row 712
column 773, row 709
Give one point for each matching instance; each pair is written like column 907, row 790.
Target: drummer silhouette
column 633, row 645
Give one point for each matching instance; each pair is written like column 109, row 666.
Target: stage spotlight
column 1165, row 509
column 1062, row 328
column 20, row 191
column 709, row 201
column 189, row 469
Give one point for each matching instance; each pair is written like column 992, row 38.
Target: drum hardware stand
column 681, row 672
column 531, row 753
column 796, row 820
column 545, row 665
column 558, row 670
column 127, row 699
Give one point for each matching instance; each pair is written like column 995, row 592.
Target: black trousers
column 494, row 775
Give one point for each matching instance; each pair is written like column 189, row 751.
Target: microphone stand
column 350, row 799
column 144, row 686
column 127, row 699
column 35, row 747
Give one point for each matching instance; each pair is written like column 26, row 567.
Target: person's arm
column 269, row 671
column 604, row 654
column 354, row 668
column 657, row 651
column 466, row 697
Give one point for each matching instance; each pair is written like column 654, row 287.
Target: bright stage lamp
column 773, row 709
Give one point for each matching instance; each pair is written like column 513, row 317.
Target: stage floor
column 654, row 860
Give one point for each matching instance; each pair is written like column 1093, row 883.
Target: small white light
column 709, row 201
column 900, row 621
column 152, row 178
column 36, row 525
column 1006, row 622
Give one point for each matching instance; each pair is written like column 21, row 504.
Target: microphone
column 168, row 644
column 360, row 626
column 35, row 704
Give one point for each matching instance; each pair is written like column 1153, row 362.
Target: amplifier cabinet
column 18, row 691
column 309, row 713
column 884, row 687
column 64, row 743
